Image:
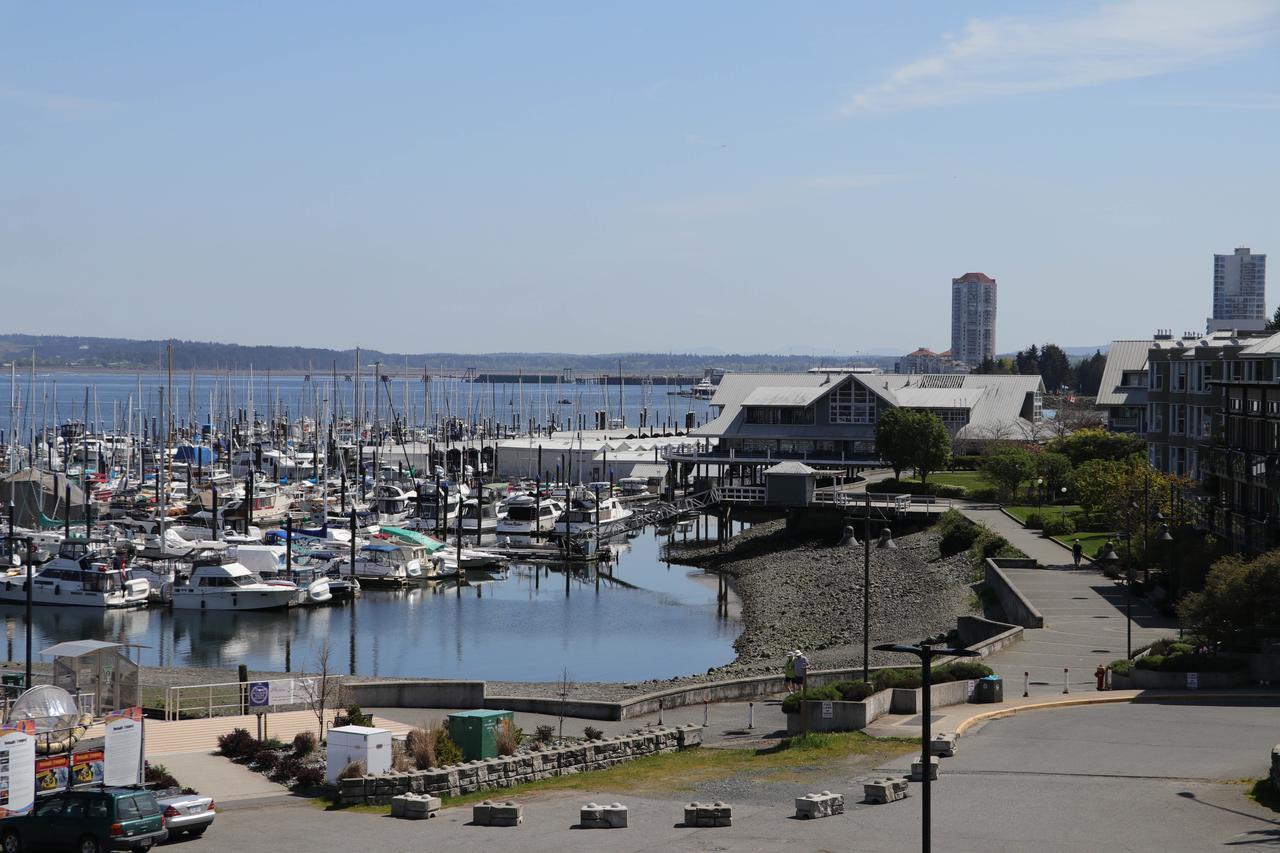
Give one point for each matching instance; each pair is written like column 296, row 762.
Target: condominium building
column 1239, row 291
column 973, row 318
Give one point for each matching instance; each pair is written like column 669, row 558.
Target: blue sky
column 609, row 177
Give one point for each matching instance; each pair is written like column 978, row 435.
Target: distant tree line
column 1053, row 366
column 91, row 352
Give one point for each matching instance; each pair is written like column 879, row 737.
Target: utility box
column 357, row 743
column 476, row 732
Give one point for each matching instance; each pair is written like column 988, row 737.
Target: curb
column 1107, row 700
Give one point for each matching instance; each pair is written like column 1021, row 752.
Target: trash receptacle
column 989, row 690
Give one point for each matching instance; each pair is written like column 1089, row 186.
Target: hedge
column 885, row 679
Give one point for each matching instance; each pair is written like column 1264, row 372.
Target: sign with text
column 122, row 759
column 1193, row 681
column 87, row 768
column 51, row 773
column 828, row 710
column 259, row 694
column 17, row 772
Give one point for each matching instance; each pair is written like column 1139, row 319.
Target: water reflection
column 637, row 617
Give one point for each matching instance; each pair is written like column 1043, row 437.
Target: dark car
column 88, row 821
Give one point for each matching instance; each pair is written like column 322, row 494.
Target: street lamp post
column 926, row 652
column 1110, row 557
column 885, row 543
column 1062, row 502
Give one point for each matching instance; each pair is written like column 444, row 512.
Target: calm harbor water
column 650, row 620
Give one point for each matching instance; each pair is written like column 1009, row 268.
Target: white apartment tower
column 1239, row 291
column 973, row 318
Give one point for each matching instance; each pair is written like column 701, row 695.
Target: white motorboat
column 393, row 503
column 381, row 564
column 83, row 574
column 221, row 582
column 479, row 516
column 440, row 504
column 587, row 511
column 527, row 516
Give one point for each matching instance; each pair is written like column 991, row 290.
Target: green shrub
column 988, row 544
column 825, row 693
column 266, row 761
column 1123, row 666
column 287, row 769
column 237, row 743
column 967, row 462
column 544, row 734
column 353, row 716
column 508, row 740
column 946, row 490
column 854, row 691
column 447, row 752
column 957, row 533
column 158, row 775
column 592, row 733
column 983, row 493
column 1059, row 527
column 304, row 743
column 1035, row 521
column 353, row 770
column 309, row 777
column 965, row 670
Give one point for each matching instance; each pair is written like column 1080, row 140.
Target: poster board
column 122, row 750
column 52, row 772
column 17, row 771
column 88, row 768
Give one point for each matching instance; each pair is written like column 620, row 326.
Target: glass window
column 75, row 808
column 99, row 807
column 126, row 809
column 147, row 804
column 51, row 807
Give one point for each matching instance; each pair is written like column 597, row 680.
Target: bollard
column 751, row 713
column 1064, row 680
column 706, row 714
column 659, row 712
column 1026, row 683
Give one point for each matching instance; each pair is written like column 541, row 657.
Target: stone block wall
column 505, row 772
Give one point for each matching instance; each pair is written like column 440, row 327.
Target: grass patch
column 1091, row 542
column 1046, row 512
column 963, row 479
column 1264, row 794
column 683, row 771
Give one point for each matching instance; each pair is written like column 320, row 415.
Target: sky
column 607, row 177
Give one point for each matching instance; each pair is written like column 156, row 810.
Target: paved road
column 1119, row 777
column 1084, row 615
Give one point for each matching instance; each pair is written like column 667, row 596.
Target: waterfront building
column 1239, row 291
column 829, row 418
column 973, row 318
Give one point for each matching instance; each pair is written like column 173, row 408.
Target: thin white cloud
column 779, row 194
column 997, row 57
column 69, row 105
column 1254, row 101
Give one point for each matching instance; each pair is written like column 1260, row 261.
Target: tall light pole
column 1110, row 557
column 885, row 543
column 926, row 651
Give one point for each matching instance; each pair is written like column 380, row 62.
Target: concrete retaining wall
column 845, row 716
column 1019, row 610
column 585, row 709
column 986, row 636
column 909, row 701
column 416, row 694
column 495, row 773
column 1149, row 679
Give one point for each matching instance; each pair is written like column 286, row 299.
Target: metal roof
column 1122, row 357
column 76, row 648
column 790, row 397
column 790, row 467
column 1266, row 346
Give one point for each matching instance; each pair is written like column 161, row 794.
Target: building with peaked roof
column 925, row 360
column 1123, row 389
column 973, row 318
column 829, row 419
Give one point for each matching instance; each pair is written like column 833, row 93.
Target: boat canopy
column 414, row 538
column 380, row 548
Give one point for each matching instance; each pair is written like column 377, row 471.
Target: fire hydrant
column 1101, row 674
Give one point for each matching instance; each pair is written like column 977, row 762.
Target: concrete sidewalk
column 1084, row 615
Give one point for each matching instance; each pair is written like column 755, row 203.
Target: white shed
column 357, row 743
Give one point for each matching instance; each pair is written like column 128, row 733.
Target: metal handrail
column 234, row 695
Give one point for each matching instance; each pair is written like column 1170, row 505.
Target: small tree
column 932, row 444
column 1008, row 468
column 321, row 691
column 1055, row 469
column 894, row 440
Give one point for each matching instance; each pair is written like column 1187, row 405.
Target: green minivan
column 87, row 821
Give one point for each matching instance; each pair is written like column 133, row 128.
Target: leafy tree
column 1008, row 468
column 999, row 366
column 1086, row 444
column 932, row 444
column 1240, row 600
column 1055, row 468
column 1096, row 481
column 911, row 438
column 1028, row 361
column 894, row 440
column 1089, row 374
column 1273, row 325
column 1055, row 367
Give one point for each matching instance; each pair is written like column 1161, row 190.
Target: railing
column 191, row 701
column 739, row 494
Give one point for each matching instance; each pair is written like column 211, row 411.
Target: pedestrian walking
column 789, row 672
column 1077, row 551
column 802, row 669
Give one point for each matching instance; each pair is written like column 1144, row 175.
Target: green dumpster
column 989, row 690
column 476, row 732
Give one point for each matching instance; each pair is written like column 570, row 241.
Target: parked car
column 87, row 821
column 185, row 814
